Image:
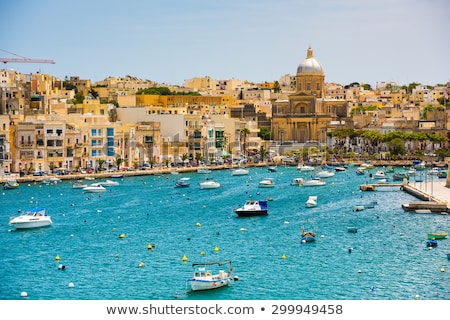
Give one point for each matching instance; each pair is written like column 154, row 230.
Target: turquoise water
column 389, row 249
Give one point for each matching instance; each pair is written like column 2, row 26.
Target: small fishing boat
column 308, row 236
column 272, row 168
column 11, row 184
column 432, row 243
column 358, row 208
column 311, row 202
column 252, row 208
column 360, row 172
column 437, row 236
column 352, row 229
column 32, row 218
column 210, row 275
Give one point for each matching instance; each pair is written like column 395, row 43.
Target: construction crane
column 23, row 59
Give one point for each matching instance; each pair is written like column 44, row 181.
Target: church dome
column 310, row 65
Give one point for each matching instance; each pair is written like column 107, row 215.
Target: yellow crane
column 23, row 59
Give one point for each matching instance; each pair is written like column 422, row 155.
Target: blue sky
column 170, row 41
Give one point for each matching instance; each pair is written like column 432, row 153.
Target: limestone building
column 306, row 114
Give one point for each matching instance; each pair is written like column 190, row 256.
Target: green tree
column 265, row 133
column 276, row 87
column 397, row 147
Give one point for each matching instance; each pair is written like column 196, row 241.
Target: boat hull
column 31, row 224
column 251, row 213
column 437, row 236
column 201, row 285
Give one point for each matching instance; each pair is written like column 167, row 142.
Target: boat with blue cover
column 253, row 208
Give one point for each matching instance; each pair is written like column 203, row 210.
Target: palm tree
column 243, row 134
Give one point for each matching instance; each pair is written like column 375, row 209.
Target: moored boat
column 437, row 236
column 267, row 183
column 311, row 202
column 253, row 208
column 109, row 183
column 11, row 184
column 297, row 181
column 314, row 183
column 308, row 236
column 32, row 218
column 95, row 188
column 209, row 184
column 240, row 172
column 79, row 184
column 210, row 275
column 183, row 182
column 303, row 167
column 325, row 174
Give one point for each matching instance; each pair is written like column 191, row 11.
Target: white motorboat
column 32, row 218
column 183, row 182
column 253, row 208
column 340, row 169
column 325, row 174
column 267, row 183
column 203, row 170
column 210, row 275
column 297, row 181
column 311, row 202
column 109, row 183
column 240, row 172
column 380, row 174
column 314, row 183
column 209, row 184
column 95, row 188
column 303, row 167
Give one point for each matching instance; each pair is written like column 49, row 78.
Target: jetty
column 434, row 199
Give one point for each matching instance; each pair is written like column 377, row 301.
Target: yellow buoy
column 149, row 247
column 204, row 206
column 184, row 259
column 359, row 271
column 442, row 270
column 141, row 264
column 243, row 229
column 117, row 255
column 216, row 249
column 122, row 236
column 198, row 224
column 202, row 253
column 283, row 256
column 57, row 257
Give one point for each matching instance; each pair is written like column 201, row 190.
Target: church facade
column 306, row 114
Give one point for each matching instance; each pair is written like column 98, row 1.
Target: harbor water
column 102, row 240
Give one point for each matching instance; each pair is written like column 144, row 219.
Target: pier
column 430, row 203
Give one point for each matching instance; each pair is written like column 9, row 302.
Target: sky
column 363, row 41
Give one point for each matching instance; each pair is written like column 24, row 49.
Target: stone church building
column 306, row 114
